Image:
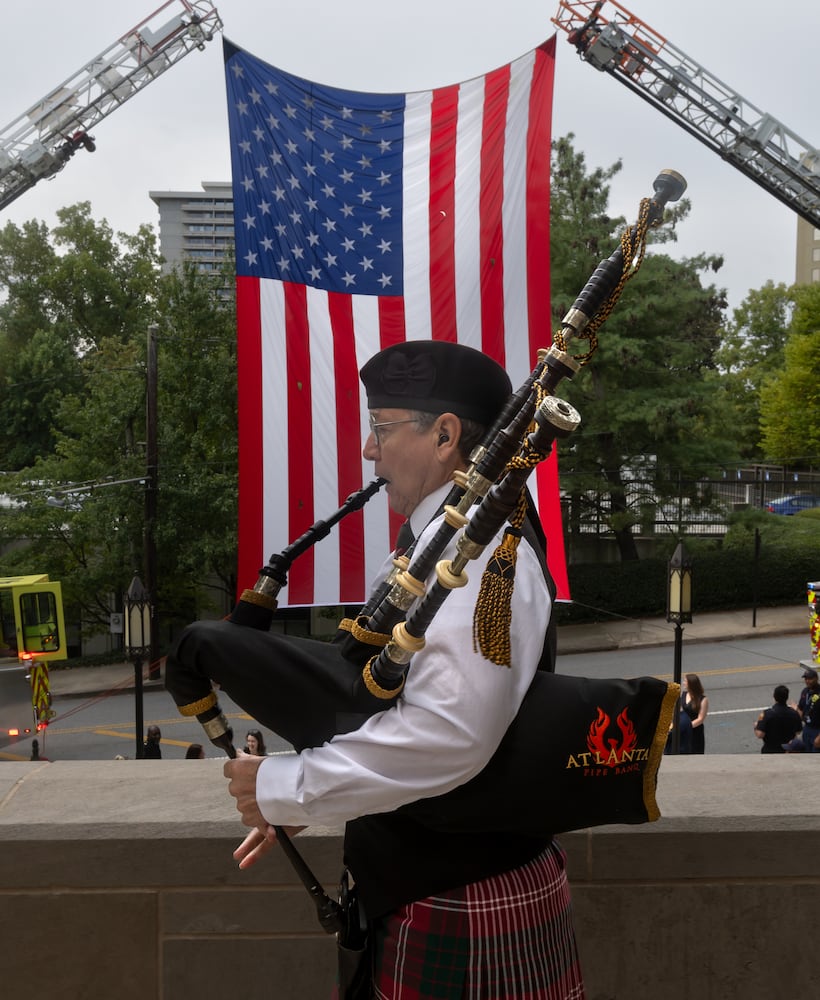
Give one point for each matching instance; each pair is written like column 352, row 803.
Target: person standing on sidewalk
column 695, row 705
column 778, row 725
column 152, row 749
column 809, row 708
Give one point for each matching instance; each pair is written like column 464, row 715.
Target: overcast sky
column 173, row 134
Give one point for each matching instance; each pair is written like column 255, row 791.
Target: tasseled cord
column 492, row 617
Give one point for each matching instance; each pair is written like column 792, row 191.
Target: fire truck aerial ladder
column 613, row 40
column 41, row 141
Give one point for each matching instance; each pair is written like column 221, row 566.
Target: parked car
column 793, row 503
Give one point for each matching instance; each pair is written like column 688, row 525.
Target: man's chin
column 397, row 504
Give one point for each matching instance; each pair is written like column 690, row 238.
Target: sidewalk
column 711, row 626
column 617, row 633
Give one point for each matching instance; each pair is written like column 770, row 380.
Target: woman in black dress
column 695, row 704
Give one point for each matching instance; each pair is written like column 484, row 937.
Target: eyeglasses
column 376, row 427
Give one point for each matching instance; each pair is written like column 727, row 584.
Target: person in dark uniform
column 778, row 725
column 809, row 708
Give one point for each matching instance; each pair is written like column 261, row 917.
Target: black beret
column 435, row 376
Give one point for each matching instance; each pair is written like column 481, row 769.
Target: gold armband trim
column 375, row 688
column 363, row 634
column 198, row 707
column 259, row 599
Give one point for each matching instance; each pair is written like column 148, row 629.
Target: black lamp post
column 679, row 612
column 137, row 645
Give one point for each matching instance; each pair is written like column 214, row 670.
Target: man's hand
column 241, row 774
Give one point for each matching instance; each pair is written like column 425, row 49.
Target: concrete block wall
column 116, row 880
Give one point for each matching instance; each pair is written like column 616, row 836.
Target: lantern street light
column 679, row 612
column 137, row 645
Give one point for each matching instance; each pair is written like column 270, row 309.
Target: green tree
column 99, row 296
column 92, row 542
column 751, row 350
column 197, row 530
column 37, row 362
column 790, row 397
column 66, row 293
column 647, row 399
column 105, row 285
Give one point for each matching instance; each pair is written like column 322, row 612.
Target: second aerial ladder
column 615, row 41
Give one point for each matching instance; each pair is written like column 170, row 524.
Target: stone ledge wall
column 124, row 870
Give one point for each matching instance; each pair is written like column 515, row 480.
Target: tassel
column 492, row 617
column 493, row 612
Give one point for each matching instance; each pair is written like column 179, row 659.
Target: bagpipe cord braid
column 492, row 617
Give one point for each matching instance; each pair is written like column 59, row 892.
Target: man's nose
column 371, row 448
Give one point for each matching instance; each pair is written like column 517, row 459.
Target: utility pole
column 151, row 497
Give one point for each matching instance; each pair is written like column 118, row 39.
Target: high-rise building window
column 197, row 226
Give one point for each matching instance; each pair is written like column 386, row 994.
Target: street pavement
column 614, row 633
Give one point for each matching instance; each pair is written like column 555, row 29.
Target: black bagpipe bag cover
column 580, row 753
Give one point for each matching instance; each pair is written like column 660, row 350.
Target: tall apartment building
column 807, row 268
column 195, row 225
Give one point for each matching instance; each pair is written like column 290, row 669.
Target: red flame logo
column 611, row 751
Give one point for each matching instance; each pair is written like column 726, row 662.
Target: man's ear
column 448, row 427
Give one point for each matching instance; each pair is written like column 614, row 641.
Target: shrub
column 740, row 573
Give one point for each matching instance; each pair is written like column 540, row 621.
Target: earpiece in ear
column 443, row 438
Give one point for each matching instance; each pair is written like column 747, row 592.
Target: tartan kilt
column 508, row 937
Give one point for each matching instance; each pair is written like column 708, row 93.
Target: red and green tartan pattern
column 509, row 937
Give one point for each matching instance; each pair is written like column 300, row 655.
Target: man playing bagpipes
column 462, row 913
column 455, row 753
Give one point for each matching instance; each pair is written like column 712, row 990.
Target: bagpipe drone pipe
column 580, row 752
column 389, row 604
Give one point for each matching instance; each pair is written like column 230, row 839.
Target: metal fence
column 697, row 507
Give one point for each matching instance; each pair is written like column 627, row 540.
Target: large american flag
column 363, row 220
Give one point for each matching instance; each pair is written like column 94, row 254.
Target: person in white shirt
column 500, row 900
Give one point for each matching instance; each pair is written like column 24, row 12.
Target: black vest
column 396, row 858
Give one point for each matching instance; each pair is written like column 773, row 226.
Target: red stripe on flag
column 538, row 292
column 249, row 388
column 392, row 329
column 348, row 445
column 444, row 118
column 300, row 439
column 491, row 199
column 538, row 200
column 549, row 511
